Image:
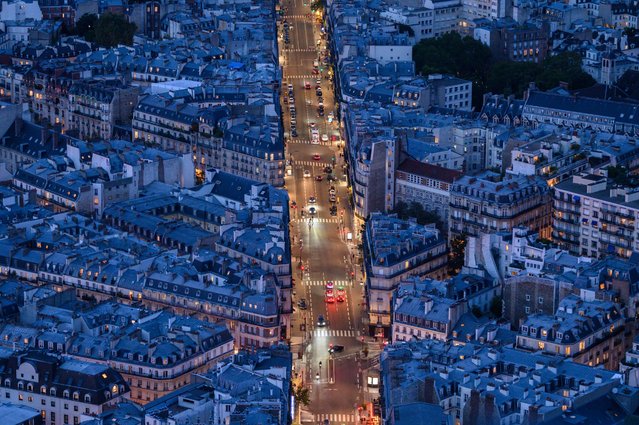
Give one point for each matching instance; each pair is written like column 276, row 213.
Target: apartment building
column 425, row 184
column 395, row 249
column 96, row 107
column 590, row 332
column 63, row 391
column 593, row 217
column 488, row 203
column 156, row 363
column 166, row 123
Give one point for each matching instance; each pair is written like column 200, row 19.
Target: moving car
column 302, row 304
column 330, row 285
column 307, row 85
column 324, row 137
column 307, row 173
column 319, row 178
column 321, row 322
column 330, row 297
column 332, row 198
column 330, row 117
column 333, row 211
column 334, row 348
column 316, row 157
column 312, row 210
column 329, row 170
column 341, row 294
column 293, row 132
column 312, row 200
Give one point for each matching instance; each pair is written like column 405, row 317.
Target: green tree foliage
column 463, row 57
column 301, row 394
column 86, row 24
column 109, row 30
column 417, row 211
column 467, row 58
column 456, row 254
column 496, row 307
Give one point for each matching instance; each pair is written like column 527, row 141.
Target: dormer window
column 20, row 386
column 533, row 331
column 560, row 336
column 52, row 392
column 7, row 382
column 87, row 398
column 76, row 396
column 65, row 394
column 43, row 389
column 30, row 387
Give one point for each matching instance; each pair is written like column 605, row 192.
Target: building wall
column 524, row 295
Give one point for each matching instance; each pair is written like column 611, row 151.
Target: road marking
column 323, row 282
column 335, row 333
column 308, row 142
column 337, row 418
column 312, row 164
column 318, row 220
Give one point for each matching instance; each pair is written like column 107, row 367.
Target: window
column 87, row 398
column 541, row 300
column 66, row 419
column 527, row 297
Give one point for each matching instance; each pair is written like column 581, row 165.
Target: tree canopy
column 467, row 58
column 109, row 30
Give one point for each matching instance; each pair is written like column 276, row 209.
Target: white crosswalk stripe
column 323, row 283
column 335, row 333
column 335, row 418
column 296, row 16
column 312, row 164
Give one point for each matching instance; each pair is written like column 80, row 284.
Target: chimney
column 44, row 134
column 18, row 126
column 57, row 129
column 533, row 415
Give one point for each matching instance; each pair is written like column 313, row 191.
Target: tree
column 417, row 211
column 467, row 58
column 511, row 77
column 301, row 394
column 109, row 30
column 564, row 67
column 456, row 254
column 86, row 25
column 476, row 311
column 496, row 307
column 463, row 57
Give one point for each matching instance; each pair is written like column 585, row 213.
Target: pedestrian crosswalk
column 313, row 164
column 300, row 77
column 335, row 418
column 308, row 142
column 318, row 220
column 346, row 333
column 323, row 283
column 307, row 50
column 296, row 17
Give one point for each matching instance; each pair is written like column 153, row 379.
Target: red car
column 319, row 178
column 316, row 157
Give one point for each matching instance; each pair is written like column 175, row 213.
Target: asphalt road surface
column 322, row 250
